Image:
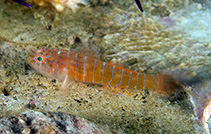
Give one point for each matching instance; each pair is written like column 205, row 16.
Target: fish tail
column 169, row 86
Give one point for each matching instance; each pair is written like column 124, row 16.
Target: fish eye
column 39, row 58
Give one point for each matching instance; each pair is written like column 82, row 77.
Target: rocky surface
column 30, row 122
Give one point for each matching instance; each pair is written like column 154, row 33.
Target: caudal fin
column 169, row 86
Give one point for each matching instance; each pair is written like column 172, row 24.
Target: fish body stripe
column 112, row 75
column 53, row 69
column 93, row 73
column 40, row 67
column 137, row 80
column 120, row 83
column 104, row 63
column 144, row 84
column 46, row 70
column 67, row 58
column 59, row 51
column 152, row 75
column 84, row 68
column 57, row 62
column 129, row 80
column 76, row 55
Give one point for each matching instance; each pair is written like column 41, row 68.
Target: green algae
column 122, row 34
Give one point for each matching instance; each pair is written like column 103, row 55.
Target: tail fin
column 168, row 86
column 173, row 83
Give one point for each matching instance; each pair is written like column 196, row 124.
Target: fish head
column 45, row 61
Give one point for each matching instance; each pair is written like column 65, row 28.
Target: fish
column 67, row 65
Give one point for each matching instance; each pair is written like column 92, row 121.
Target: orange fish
column 68, row 65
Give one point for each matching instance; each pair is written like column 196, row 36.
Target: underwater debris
column 60, row 5
column 139, row 4
column 23, row 3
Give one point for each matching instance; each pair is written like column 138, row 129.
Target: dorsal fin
column 90, row 51
column 93, row 53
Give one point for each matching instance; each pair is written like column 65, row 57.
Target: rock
column 49, row 123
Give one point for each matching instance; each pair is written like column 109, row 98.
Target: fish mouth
column 30, row 58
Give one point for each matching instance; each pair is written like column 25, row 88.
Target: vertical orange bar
column 71, row 65
column 79, row 67
column 116, row 76
column 125, row 79
column 89, row 67
column 98, row 72
column 107, row 75
column 133, row 80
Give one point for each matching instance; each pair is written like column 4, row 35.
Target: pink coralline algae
column 201, row 100
column 167, row 21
